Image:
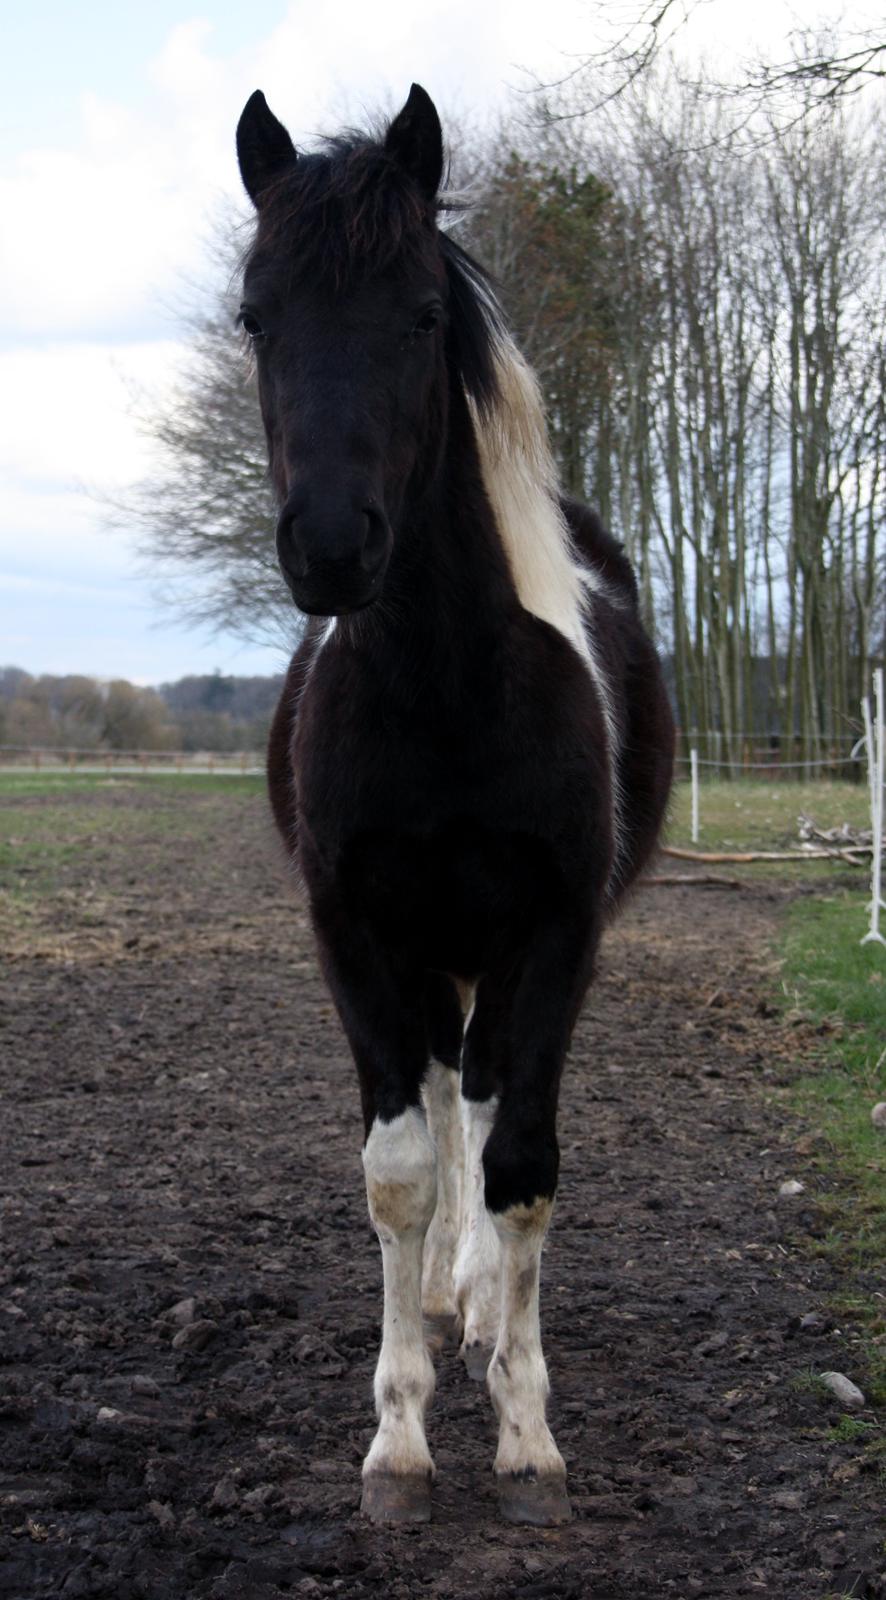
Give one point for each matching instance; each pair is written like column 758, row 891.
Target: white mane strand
column 521, row 482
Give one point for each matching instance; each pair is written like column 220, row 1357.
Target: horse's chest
column 421, row 776
column 500, row 749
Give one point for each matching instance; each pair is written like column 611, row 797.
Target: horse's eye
column 428, row 320
column 250, row 324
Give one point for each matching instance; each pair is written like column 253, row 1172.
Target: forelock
column 345, row 214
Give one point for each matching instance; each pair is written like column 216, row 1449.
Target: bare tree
column 205, row 515
column 740, row 442
column 824, row 66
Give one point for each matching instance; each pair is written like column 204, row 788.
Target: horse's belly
column 462, row 900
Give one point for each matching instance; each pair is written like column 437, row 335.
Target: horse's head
column 346, row 300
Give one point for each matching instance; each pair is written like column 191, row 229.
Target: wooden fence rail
column 24, row 758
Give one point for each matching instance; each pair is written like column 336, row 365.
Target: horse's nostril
column 375, row 542
column 292, row 556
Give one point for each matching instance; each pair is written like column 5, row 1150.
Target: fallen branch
column 844, row 837
column 855, row 856
column 709, row 878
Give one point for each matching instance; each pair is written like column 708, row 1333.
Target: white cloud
column 106, row 226
column 67, row 410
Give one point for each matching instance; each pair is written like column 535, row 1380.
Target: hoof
column 476, row 1357
column 441, row 1328
column 397, row 1497
column 537, row 1499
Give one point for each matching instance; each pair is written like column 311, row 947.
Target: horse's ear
column 415, row 140
column 264, row 148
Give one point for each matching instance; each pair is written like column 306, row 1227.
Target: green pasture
column 46, row 819
column 40, row 827
column 745, row 814
column 16, row 782
column 754, row 814
column 840, row 984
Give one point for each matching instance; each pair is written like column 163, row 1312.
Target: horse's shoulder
column 596, row 545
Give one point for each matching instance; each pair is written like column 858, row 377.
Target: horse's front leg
column 382, row 1009
column 401, row 1186
column 521, row 1164
column 529, row 1468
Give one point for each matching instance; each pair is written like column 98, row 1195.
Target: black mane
column 477, row 324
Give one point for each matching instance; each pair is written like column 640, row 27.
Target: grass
column 15, row 783
column 808, row 1381
column 754, row 814
column 841, row 984
column 42, row 832
column 850, row 1429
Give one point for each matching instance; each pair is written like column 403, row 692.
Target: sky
column 117, row 150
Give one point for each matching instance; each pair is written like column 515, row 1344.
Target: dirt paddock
column 180, row 1124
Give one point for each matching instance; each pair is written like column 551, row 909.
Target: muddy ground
column 180, row 1122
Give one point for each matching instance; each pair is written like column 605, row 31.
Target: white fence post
column 693, row 762
column 876, row 752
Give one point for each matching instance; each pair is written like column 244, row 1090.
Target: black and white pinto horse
column 469, row 763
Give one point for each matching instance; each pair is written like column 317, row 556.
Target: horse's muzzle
column 333, row 552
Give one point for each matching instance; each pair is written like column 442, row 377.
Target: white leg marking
column 478, row 1263
column 441, row 1097
column 518, row 1377
column 401, row 1187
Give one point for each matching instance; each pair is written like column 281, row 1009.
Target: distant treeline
column 219, row 713
column 210, row 712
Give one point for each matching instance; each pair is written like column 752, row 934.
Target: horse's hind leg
column 440, row 1093
column 478, row 1262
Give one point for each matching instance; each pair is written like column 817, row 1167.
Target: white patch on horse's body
column 518, row 1377
column 440, row 1092
column 401, row 1187
column 552, row 583
column 466, row 989
column 478, row 1262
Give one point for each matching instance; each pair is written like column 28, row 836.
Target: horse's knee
column 400, row 1164
column 520, row 1165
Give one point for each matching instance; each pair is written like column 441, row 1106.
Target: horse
column 470, row 760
